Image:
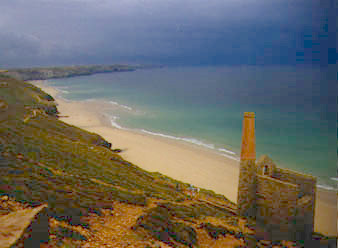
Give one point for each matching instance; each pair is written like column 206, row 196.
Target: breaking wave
column 114, row 123
column 194, row 141
column 326, row 187
column 121, row 105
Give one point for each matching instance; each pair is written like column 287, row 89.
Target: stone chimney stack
column 246, row 199
column 248, row 151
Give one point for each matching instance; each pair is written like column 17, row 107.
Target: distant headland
column 43, row 73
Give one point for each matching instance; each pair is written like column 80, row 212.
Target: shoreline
column 181, row 160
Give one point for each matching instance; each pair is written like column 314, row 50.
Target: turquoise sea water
column 295, row 118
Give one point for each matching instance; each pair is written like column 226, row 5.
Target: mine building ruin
column 280, row 200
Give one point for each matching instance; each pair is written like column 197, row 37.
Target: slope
column 92, row 191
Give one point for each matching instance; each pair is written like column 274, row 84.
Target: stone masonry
column 247, row 184
column 282, row 201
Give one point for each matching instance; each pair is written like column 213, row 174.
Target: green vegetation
column 172, row 222
column 48, row 160
column 42, row 73
column 44, row 160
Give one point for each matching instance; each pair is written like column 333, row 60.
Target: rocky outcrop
column 48, row 98
column 51, row 110
column 215, row 231
column 24, row 228
column 101, row 142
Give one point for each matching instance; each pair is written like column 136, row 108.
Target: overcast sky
column 187, row 32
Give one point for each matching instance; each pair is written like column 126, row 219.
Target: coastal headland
column 43, row 73
column 185, row 162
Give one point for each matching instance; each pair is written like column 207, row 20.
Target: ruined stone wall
column 276, row 200
column 247, row 189
column 304, row 221
column 307, row 186
column 307, row 183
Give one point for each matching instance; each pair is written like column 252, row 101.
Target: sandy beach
column 177, row 159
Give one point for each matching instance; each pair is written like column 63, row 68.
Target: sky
column 167, row 32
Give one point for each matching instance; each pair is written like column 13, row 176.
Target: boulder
column 25, row 228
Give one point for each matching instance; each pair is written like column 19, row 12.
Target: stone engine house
column 282, row 201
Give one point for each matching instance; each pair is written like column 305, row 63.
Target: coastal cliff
column 43, row 73
column 96, row 198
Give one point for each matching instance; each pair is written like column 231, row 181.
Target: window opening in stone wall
column 265, row 170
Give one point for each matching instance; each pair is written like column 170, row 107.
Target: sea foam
column 326, row 187
column 114, row 123
column 229, row 156
column 226, row 151
column 121, row 105
column 113, row 119
column 60, row 89
column 195, row 142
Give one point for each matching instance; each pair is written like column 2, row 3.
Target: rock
column 51, row 110
column 101, row 142
column 214, row 231
column 116, row 150
column 25, row 228
column 183, row 234
column 48, row 97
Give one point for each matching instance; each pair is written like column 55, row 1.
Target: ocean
column 295, row 109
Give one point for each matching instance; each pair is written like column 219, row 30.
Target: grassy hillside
column 94, row 196
column 42, row 73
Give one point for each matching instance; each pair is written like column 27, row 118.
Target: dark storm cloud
column 155, row 31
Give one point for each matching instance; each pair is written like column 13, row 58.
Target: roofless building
column 282, row 201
